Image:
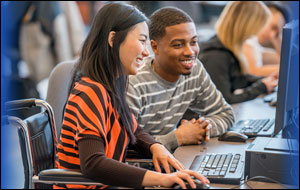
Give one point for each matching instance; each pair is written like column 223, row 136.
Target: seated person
column 98, row 125
column 173, row 81
column 263, row 50
column 222, row 55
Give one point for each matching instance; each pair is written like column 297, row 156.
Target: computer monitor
column 287, row 109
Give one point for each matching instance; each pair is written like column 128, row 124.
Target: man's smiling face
column 176, row 51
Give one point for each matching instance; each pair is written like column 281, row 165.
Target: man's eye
column 177, row 45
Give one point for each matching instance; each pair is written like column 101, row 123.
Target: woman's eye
column 194, row 42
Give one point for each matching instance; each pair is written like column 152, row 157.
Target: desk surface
column 255, row 109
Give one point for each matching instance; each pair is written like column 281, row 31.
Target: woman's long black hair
column 102, row 63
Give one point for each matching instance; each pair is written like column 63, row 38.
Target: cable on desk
column 259, row 177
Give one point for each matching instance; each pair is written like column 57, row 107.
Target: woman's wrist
column 152, row 178
column 154, row 146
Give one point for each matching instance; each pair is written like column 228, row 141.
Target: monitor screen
column 287, row 109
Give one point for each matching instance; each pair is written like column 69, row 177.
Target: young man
column 174, row 81
column 263, row 51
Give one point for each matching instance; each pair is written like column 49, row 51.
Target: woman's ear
column 111, row 37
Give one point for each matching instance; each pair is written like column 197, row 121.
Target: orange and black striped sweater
column 93, row 141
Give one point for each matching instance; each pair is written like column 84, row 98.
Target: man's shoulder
column 144, row 73
column 197, row 69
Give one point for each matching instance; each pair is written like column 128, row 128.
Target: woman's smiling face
column 134, row 48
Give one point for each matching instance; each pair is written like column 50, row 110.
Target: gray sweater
column 158, row 105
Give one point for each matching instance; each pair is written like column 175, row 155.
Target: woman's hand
column 152, row 178
column 180, row 177
column 161, row 156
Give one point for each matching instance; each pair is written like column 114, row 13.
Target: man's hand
column 193, row 132
column 161, row 156
column 207, row 127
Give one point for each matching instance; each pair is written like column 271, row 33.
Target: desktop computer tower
column 275, row 158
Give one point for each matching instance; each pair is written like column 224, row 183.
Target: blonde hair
column 239, row 21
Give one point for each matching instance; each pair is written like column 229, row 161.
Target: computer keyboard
column 220, row 168
column 253, row 127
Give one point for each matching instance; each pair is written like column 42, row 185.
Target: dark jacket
column 225, row 72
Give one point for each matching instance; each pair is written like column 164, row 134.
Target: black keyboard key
column 250, row 122
column 232, row 170
column 211, row 172
column 269, row 125
column 205, row 160
column 220, row 164
column 237, row 156
column 217, row 172
column 205, row 172
column 216, row 161
column 203, row 164
column 228, row 159
column 225, row 168
column 233, row 165
column 201, row 170
column 210, row 161
column 222, row 173
column 265, row 122
column 261, row 125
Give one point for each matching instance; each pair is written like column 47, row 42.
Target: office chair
column 38, row 147
column 57, row 94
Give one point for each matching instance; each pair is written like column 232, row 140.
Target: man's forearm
column 169, row 141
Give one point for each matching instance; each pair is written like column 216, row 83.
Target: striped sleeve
column 211, row 104
column 91, row 105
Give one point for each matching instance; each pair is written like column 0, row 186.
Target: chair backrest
column 57, row 95
column 42, row 141
column 37, row 137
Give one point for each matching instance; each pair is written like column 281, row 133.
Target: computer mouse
column 199, row 185
column 233, row 136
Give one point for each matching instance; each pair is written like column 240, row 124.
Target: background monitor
column 287, row 109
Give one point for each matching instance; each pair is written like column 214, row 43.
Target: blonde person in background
column 263, row 51
column 223, row 57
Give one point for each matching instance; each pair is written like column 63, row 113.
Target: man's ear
column 154, row 46
column 111, row 37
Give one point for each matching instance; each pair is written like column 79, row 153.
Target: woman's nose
column 145, row 53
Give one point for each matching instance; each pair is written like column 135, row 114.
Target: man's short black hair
column 164, row 17
column 281, row 8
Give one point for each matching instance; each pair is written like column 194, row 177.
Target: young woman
column 98, row 126
column 222, row 55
